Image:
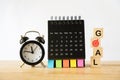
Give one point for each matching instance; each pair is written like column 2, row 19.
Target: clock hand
column 28, row 51
column 35, row 48
column 32, row 50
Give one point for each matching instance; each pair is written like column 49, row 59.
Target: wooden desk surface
column 10, row 70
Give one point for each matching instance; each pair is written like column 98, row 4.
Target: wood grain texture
column 10, row 70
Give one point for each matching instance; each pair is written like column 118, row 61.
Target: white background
column 19, row 16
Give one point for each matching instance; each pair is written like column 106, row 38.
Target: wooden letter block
column 95, row 42
column 95, row 61
column 98, row 51
column 98, row 32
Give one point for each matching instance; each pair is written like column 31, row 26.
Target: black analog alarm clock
column 32, row 52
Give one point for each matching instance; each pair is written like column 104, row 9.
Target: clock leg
column 22, row 65
column 43, row 64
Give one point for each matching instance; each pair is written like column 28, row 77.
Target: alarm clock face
column 32, row 52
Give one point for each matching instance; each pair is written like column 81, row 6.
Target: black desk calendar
column 66, row 43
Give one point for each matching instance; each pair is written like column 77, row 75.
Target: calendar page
column 66, row 41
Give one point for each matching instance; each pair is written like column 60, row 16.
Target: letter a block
column 98, row 51
column 98, row 32
column 95, row 61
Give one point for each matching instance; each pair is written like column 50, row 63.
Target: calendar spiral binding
column 65, row 20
